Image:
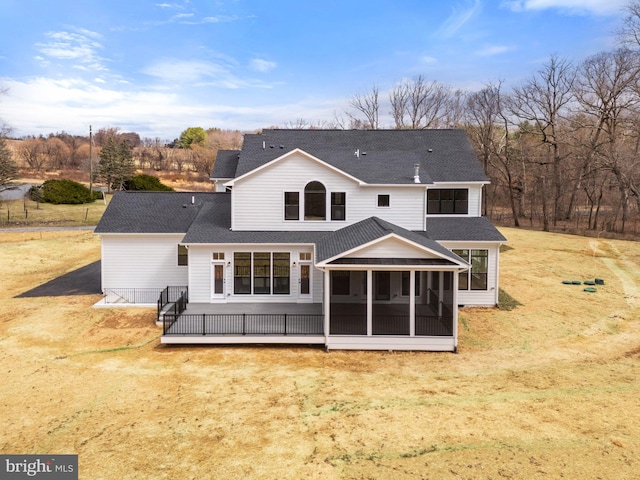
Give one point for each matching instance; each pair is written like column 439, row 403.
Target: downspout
column 497, row 282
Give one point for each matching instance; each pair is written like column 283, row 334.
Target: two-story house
column 352, row 239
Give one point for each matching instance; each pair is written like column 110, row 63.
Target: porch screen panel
column 262, row 273
column 406, row 279
column 242, row 273
column 390, row 317
column 340, row 282
column 281, row 274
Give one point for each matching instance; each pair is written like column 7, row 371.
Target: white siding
column 258, row 200
column 391, row 248
column 487, row 297
column 201, row 274
column 141, row 261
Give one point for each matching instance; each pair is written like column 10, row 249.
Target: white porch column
column 369, row 302
column 327, row 304
column 412, row 303
column 454, row 309
column 440, row 292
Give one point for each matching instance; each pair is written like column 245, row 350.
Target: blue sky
column 158, row 67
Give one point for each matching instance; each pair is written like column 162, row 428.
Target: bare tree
column 418, row 104
column 543, row 101
column 56, row 151
column 483, row 110
column 31, row 151
column 368, row 105
column 629, row 32
column 607, row 91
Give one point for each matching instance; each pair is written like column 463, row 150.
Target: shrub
column 63, row 192
column 146, row 182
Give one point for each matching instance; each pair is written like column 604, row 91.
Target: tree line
column 561, row 148
column 60, row 151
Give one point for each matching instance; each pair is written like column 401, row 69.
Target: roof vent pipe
column 416, row 173
column 193, row 199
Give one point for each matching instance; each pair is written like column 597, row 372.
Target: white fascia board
column 451, row 184
column 238, row 246
column 396, row 185
column 325, row 263
column 289, row 154
column 436, row 268
column 138, row 234
column 466, row 242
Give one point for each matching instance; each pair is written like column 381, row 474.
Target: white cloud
column 220, row 19
column 198, row 73
column 458, row 18
column 597, row 7
column 429, row 60
column 80, row 46
column 262, row 65
column 491, row 50
column 185, row 71
column 43, row 105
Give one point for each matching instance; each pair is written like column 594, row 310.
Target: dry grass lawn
column 27, row 213
column 548, row 390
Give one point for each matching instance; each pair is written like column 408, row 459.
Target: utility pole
column 90, row 160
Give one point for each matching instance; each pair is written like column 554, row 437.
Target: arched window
column 315, row 201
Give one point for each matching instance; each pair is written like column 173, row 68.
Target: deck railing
column 242, row 324
column 131, row 295
column 169, row 295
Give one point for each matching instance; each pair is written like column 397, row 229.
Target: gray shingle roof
column 151, row 212
column 368, row 230
column 213, row 225
column 208, row 220
column 384, row 156
column 226, row 164
column 468, row 229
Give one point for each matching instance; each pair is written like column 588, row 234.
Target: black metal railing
column 169, row 295
column 174, row 312
column 242, row 324
column 131, row 295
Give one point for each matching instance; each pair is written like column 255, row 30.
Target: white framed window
column 384, row 200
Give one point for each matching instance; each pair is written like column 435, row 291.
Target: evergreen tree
column 116, row 163
column 8, row 168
